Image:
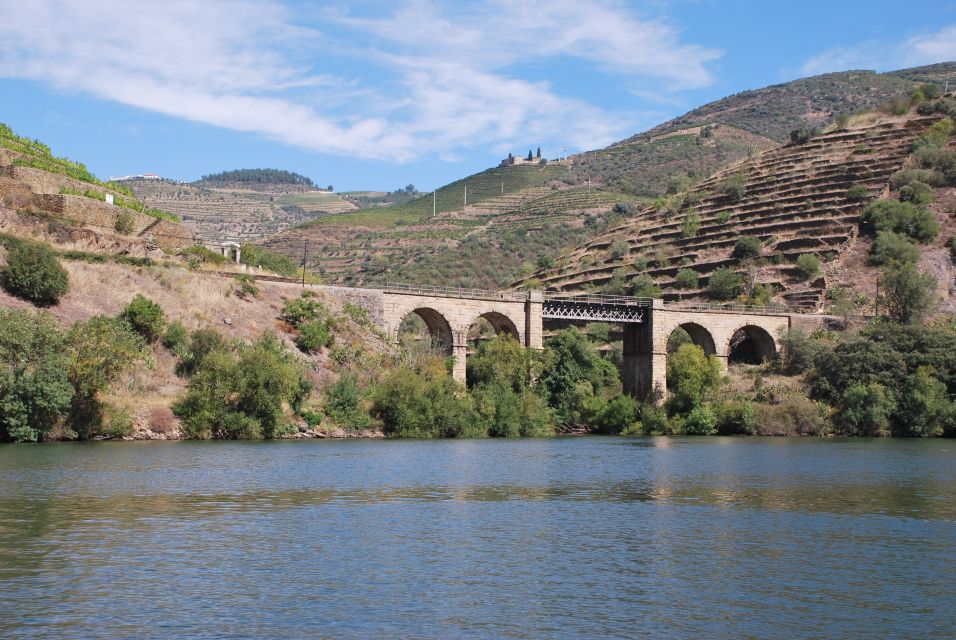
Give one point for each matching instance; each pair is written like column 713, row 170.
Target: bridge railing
column 453, row 292
column 734, row 307
column 601, row 299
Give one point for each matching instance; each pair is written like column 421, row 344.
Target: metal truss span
column 596, row 309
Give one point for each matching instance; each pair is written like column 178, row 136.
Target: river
column 559, row 538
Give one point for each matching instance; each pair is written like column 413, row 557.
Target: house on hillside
column 513, row 160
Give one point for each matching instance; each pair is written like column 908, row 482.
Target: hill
column 256, row 179
column 239, row 212
column 784, row 225
column 516, row 216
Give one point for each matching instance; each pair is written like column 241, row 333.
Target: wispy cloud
column 426, row 80
column 921, row 49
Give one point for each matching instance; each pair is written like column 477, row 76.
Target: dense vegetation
column 33, row 272
column 255, row 177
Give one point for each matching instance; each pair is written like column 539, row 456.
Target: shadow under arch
column 697, row 334
column 437, row 327
column 751, row 345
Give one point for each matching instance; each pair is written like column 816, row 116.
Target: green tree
column 34, row 273
column 687, row 279
column 893, row 247
column 35, row 392
column 747, row 247
column 901, row 217
column 643, row 286
column 343, row 403
column 576, row 378
column 865, row 410
column 857, row 193
column 145, row 317
column 98, row 350
column 808, row 266
column 313, row 336
column 907, row 293
column 690, row 226
column 691, row 375
column 924, row 408
column 725, row 284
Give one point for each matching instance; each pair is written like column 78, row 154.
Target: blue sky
column 376, row 95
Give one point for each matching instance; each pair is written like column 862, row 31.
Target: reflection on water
column 535, row 538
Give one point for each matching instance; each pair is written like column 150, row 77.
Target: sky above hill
column 376, row 95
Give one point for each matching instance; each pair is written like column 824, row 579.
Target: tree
column 857, row 193
column 893, row 247
column 98, row 350
column 576, row 378
column 865, row 410
column 35, row 392
column 924, row 408
column 530, row 157
column 643, row 286
column 902, row 217
column 690, row 226
column 691, row 375
column 546, row 262
column 907, row 293
column 725, row 284
column 748, row 247
column 687, row 279
column 145, row 317
column 538, row 155
column 34, row 273
column 808, row 266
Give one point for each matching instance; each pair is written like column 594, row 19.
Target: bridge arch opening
column 424, row 328
column 491, row 324
column 691, row 332
column 751, row 345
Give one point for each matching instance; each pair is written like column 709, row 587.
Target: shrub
column 808, row 266
column 617, row 415
column 598, row 332
column 936, row 136
column 908, row 293
column 424, row 403
column 690, row 225
column 176, row 338
column 240, row 391
column 893, row 247
column 247, row 286
column 916, row 192
column 545, row 262
column 804, row 135
column 901, row 217
column 256, row 256
column 619, row 249
column 199, row 254
column 35, row 391
column 98, row 350
column 576, row 378
column 506, row 413
column 735, row 418
column 343, row 403
column 723, row 217
column 748, row 247
column 700, row 421
column 734, row 188
column 923, row 408
column 202, row 342
column 145, row 317
column 725, row 284
column 34, row 273
column 125, row 223
column 302, row 310
column 687, row 279
column 857, row 193
column 691, row 375
column 313, row 336
column 643, row 286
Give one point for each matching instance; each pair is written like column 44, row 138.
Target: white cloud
column 918, row 50
column 425, row 80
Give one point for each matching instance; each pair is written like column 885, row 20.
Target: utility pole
column 305, row 253
column 466, row 195
column 502, row 188
column 589, row 183
column 434, row 205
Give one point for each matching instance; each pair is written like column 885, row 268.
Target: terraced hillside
column 796, row 200
column 674, row 154
column 238, row 214
column 62, row 194
column 484, row 244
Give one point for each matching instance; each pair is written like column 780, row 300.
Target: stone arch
column 700, row 336
column 751, row 344
column 438, row 328
column 500, row 323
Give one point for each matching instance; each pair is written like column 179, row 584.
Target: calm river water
column 562, row 538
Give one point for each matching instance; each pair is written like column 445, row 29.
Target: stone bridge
column 725, row 331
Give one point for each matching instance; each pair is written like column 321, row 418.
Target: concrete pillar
column 459, row 369
column 645, row 368
column 658, row 353
column 238, row 253
column 534, row 320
